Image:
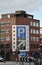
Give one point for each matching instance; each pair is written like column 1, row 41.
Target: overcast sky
column 30, row 6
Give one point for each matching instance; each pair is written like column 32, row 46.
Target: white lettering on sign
column 20, row 31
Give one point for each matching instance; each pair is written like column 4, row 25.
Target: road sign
column 22, row 53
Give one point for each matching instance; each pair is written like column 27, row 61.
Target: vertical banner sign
column 21, row 37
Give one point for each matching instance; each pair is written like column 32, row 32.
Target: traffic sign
column 22, row 53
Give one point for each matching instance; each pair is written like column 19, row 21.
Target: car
column 2, row 59
column 31, row 59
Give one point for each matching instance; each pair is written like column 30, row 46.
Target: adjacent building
column 19, row 30
column 41, row 39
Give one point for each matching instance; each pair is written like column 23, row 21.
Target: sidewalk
column 18, row 63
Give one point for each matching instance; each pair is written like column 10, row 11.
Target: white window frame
column 31, row 23
column 37, row 24
column 34, row 23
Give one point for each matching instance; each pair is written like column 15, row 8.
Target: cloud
column 13, row 5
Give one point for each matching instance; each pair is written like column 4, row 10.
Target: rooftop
column 19, row 13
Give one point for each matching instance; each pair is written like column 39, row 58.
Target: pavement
column 15, row 63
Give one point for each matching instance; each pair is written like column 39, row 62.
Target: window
column 37, row 24
column 31, row 30
column 31, row 23
column 8, row 38
column 5, row 38
column 34, row 31
column 33, row 38
column 6, row 45
column 4, row 31
column 40, row 30
column 37, row 39
column 1, row 46
column 34, row 23
column 7, row 23
column 1, row 38
column 41, row 39
column 31, row 46
column 41, row 46
column 37, row 46
column 34, row 46
column 7, row 30
column 3, row 23
column 37, row 31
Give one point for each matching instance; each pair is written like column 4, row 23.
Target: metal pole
column 40, row 59
column 29, row 63
column 22, row 63
column 19, row 61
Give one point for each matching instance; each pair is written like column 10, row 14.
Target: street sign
column 22, row 53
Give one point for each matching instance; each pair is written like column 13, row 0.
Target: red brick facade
column 19, row 18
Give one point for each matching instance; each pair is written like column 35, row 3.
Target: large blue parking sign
column 21, row 32
column 22, row 53
column 21, row 36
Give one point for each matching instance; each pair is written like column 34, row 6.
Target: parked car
column 2, row 59
column 31, row 59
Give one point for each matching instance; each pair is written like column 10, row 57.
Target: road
column 14, row 63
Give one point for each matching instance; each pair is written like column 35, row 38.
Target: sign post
column 22, row 54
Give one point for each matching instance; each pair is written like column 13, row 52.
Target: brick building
column 41, row 39
column 16, row 28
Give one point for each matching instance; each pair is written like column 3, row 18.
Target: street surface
column 14, row 63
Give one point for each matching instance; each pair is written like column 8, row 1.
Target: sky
column 33, row 7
